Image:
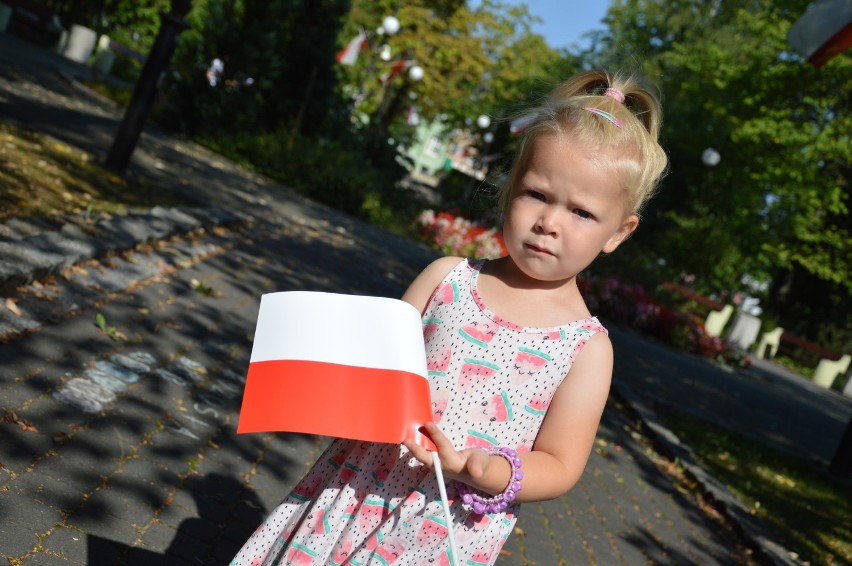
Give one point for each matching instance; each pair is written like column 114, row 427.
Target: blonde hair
column 630, row 148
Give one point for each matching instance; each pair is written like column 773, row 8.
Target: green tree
column 475, row 60
column 777, row 205
column 277, row 56
column 133, row 22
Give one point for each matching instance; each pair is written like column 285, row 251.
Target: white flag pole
column 447, row 515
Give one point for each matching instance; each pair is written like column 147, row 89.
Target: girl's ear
column 627, row 227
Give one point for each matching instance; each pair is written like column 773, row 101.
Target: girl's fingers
column 422, row 455
column 452, row 461
column 441, row 441
column 445, row 447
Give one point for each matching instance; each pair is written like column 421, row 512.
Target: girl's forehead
column 559, row 143
column 556, row 152
column 559, row 162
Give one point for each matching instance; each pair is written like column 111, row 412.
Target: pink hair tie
column 615, row 94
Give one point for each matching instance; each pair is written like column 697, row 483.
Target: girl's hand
column 468, row 465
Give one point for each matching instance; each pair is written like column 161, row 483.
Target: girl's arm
column 563, row 443
column 421, row 289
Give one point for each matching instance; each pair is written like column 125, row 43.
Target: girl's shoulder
column 439, row 269
column 421, row 288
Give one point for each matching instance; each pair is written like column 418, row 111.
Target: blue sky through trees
column 565, row 21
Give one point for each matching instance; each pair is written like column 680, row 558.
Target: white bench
column 771, row 340
column 827, row 370
column 715, row 322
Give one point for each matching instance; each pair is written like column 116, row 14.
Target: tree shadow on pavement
column 228, row 514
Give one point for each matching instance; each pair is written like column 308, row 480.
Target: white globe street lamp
column 415, row 73
column 390, row 25
column 710, row 157
column 483, row 121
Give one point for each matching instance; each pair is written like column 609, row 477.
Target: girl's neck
column 518, row 298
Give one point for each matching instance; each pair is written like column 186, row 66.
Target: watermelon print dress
column 373, row 504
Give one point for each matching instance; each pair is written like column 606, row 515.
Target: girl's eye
column 584, row 214
column 535, row 194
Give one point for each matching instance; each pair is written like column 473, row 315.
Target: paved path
column 124, row 451
column 771, row 405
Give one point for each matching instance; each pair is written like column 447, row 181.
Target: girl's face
column 565, row 211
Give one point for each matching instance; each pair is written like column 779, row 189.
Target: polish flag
column 823, row 32
column 337, row 365
column 396, row 68
column 349, row 54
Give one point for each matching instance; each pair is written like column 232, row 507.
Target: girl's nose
column 547, row 221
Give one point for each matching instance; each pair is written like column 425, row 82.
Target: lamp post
column 710, row 158
column 126, row 138
column 390, row 26
column 484, row 123
column 391, row 95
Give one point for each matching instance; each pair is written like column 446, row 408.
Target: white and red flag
column 395, row 68
column 337, row 365
column 349, row 54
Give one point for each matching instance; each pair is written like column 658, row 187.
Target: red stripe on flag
column 396, row 67
column 834, row 46
column 377, row 405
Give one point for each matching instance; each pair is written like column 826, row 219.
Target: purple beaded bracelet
column 500, row 501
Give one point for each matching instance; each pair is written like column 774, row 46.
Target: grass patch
column 796, row 366
column 119, row 95
column 43, row 177
column 809, row 509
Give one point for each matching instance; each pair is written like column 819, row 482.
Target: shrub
column 330, row 171
column 456, row 235
column 633, row 307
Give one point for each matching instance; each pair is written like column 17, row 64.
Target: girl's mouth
column 539, row 250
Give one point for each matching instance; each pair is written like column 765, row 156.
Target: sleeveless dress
column 366, row 503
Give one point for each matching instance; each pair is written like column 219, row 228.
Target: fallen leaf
column 10, row 304
column 12, row 417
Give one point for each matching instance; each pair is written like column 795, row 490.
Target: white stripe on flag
column 349, row 54
column 370, row 332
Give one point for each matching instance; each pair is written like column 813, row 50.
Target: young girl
column 519, row 369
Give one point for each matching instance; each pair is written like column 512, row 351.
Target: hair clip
column 615, row 94
column 605, row 114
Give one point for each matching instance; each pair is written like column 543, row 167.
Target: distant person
column 215, row 71
column 519, row 368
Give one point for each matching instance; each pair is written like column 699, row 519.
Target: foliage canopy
column 777, row 206
column 776, row 209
